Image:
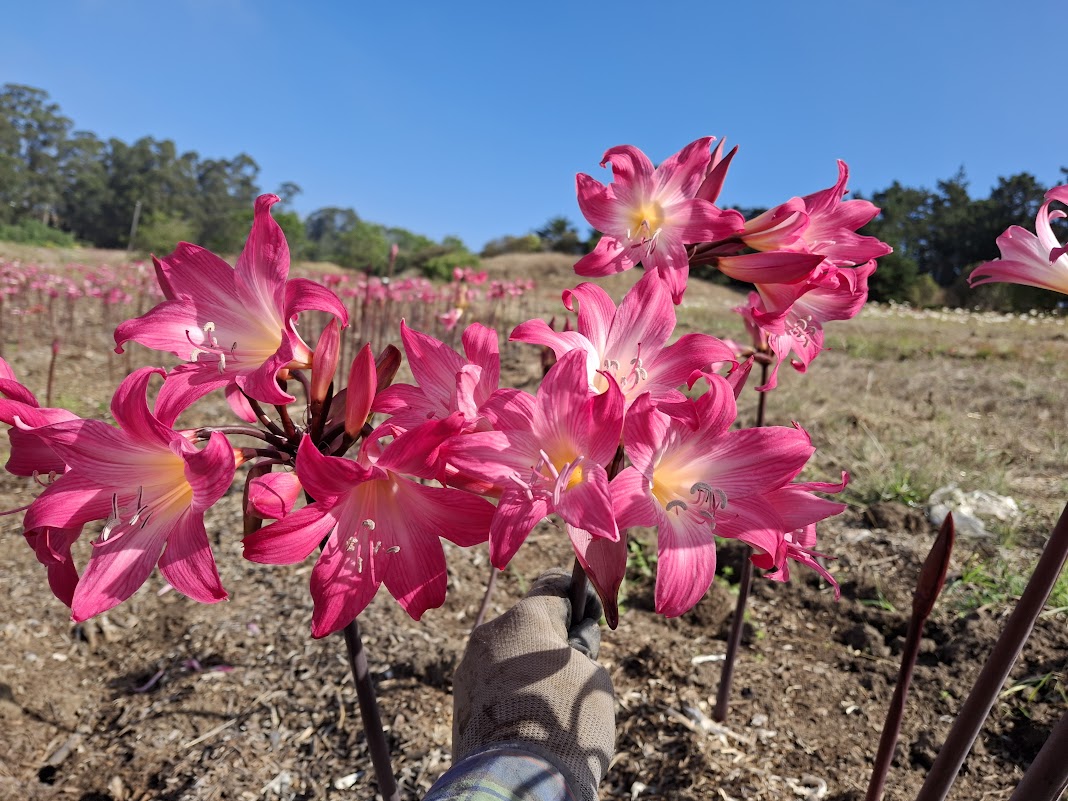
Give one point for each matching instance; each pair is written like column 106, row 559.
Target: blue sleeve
column 501, row 774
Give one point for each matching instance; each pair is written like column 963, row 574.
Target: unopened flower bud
column 361, row 391
column 324, row 363
column 387, row 363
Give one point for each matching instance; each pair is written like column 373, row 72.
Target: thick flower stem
column 984, row 693
column 372, row 720
column 734, row 640
column 1047, row 777
column 929, row 585
column 577, row 592
column 484, row 606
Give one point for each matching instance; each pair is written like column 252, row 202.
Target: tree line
column 61, row 185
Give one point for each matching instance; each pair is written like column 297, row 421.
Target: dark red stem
column 372, row 719
column 1047, row 777
column 484, row 606
column 984, row 693
column 928, row 586
column 734, row 640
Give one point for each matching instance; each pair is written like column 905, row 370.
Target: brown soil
column 166, row 699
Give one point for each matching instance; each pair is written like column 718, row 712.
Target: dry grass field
column 163, row 698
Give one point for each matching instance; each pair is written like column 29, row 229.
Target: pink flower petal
column 291, row 539
column 273, row 495
column 515, row 518
column 340, row 590
column 686, row 563
column 187, row 562
column 117, row 569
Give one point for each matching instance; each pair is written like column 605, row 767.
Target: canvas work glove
column 529, row 680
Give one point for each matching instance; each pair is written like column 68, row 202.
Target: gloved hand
column 528, row 679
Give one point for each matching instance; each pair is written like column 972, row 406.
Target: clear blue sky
column 472, row 118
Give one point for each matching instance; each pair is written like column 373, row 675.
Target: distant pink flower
column 235, row 326
column 379, row 526
column 548, row 454
column 835, row 293
column 150, row 485
column 1030, row 259
column 695, row 479
column 820, row 223
column 629, row 344
column 450, row 318
column 649, row 214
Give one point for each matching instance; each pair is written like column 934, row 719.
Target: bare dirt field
column 163, row 698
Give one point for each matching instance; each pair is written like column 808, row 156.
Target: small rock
column 347, row 782
column 971, row 509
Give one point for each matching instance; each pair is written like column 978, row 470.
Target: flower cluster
column 628, row 428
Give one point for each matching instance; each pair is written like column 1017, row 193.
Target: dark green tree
column 32, row 136
column 561, row 236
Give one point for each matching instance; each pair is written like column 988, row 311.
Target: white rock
column 971, row 510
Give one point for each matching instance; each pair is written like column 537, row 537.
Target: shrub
column 35, row 232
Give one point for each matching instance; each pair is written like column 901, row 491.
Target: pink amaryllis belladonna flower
column 835, row 293
column 150, row 485
column 695, row 479
column 548, row 454
column 30, row 456
column 649, row 214
column 446, row 382
column 1030, row 259
column 629, row 344
column 820, row 223
column 380, row 527
column 235, row 326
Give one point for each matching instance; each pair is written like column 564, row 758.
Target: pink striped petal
column 129, row 407
column 340, row 590
column 273, row 495
column 303, row 294
column 605, row 563
column 588, row 505
column 686, row 563
column 515, row 518
column 263, row 266
column 117, row 569
column 291, row 539
column 69, row 502
column 187, row 562
column 209, row 471
column 482, row 349
column 609, row 256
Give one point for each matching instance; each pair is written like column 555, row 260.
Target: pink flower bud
column 387, row 363
column 324, row 362
column 361, row 391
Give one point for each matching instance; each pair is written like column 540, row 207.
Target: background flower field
column 163, row 698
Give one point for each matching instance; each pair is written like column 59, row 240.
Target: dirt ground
column 163, row 698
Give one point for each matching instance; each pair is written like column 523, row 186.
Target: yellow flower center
column 646, row 220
